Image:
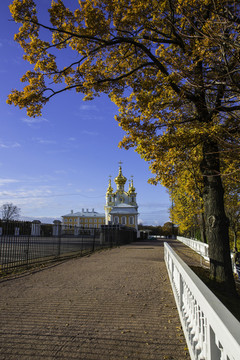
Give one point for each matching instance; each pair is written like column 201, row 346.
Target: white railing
column 211, row 331
column 200, row 247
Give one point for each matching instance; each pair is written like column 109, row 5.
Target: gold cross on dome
column 120, row 162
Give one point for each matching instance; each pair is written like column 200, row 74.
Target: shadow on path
column 114, row 304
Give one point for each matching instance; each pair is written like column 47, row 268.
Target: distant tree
column 155, row 230
column 10, row 212
column 186, row 192
column 168, row 229
column 231, row 185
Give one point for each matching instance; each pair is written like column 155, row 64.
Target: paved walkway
column 113, row 305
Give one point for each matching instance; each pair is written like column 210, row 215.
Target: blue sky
column 62, row 161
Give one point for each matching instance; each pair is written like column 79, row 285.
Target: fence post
column 36, row 228
column 117, row 236
column 59, row 247
column 93, row 247
column 56, row 228
column 101, row 237
column 82, row 232
column 27, row 251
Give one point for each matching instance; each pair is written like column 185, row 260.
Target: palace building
column 121, row 206
column 84, row 219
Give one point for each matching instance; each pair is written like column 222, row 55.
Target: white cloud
column 7, row 181
column 44, row 141
column 29, row 200
column 9, row 145
column 90, row 133
column 60, row 172
column 154, row 205
column 88, row 107
column 34, row 121
column 26, row 194
column 55, row 152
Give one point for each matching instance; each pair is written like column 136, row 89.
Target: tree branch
column 98, row 82
column 120, row 40
column 229, row 109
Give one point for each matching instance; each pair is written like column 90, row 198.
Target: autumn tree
column 186, row 192
column 171, row 67
column 187, row 213
column 168, row 229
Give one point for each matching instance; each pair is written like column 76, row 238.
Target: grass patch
column 232, row 303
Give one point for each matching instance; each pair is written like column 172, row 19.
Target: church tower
column 132, row 194
column 121, row 206
column 109, row 201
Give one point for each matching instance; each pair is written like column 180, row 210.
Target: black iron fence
column 23, row 244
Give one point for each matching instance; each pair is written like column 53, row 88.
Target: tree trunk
column 203, row 229
column 216, row 221
column 235, row 239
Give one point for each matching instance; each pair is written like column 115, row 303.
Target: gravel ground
column 114, row 304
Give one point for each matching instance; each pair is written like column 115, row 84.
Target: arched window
column 123, row 220
column 116, row 220
column 131, row 220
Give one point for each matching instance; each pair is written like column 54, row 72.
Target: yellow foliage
column 171, row 67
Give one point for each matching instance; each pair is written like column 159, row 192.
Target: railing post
column 180, row 292
column 213, row 351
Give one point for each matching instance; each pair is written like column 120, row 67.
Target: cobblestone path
column 113, row 305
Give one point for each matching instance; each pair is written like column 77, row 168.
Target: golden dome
column 109, row 189
column 120, row 179
column 131, row 187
